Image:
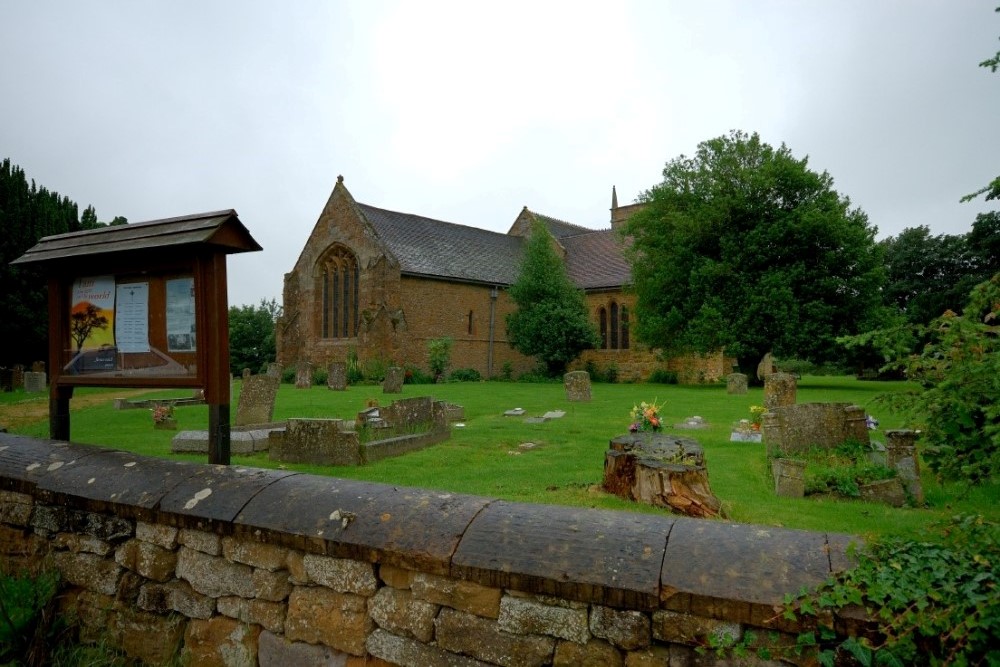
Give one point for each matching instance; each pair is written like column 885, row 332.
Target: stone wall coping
column 619, row 559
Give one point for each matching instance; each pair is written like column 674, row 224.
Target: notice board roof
column 220, row 231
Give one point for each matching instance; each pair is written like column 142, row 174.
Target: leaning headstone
column 577, row 386
column 6, row 379
column 34, row 383
column 257, row 397
column 900, row 454
column 336, row 377
column 766, row 367
column 303, row 375
column 779, row 390
column 393, row 383
column 789, row 477
column 736, row 383
column 38, row 367
column 274, row 369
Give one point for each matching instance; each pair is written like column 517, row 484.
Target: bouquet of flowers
column 645, row 417
column 162, row 413
column 756, row 416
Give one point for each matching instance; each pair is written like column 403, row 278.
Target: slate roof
column 446, row 250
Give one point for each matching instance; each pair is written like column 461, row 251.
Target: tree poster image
column 92, row 314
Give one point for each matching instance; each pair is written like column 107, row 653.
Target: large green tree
column 550, row 322
column 742, row 247
column 251, row 335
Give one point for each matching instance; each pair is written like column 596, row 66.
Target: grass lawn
column 483, row 456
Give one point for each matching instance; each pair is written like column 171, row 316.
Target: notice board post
column 142, row 305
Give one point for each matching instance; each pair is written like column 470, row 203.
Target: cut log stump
column 662, row 470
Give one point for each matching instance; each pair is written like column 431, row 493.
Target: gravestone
column 336, row 378
column 246, row 373
column 766, row 367
column 18, row 378
column 736, row 383
column 779, row 390
column 900, row 454
column 303, row 375
column 795, row 429
column 577, row 385
column 789, row 477
column 393, row 383
column 6, row 379
column 257, row 397
column 38, row 367
column 34, row 382
column 274, row 369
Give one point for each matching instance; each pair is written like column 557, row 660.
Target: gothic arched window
column 602, row 315
column 338, row 277
column 614, row 326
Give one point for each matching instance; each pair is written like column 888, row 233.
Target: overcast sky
column 466, row 111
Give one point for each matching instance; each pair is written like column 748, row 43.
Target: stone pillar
column 336, row 378
column 901, row 454
column 856, row 424
column 303, row 375
column 779, row 390
column 577, row 385
column 736, row 383
column 393, row 380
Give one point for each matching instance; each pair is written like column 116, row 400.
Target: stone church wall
column 241, row 566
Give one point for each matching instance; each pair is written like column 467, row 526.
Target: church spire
column 614, row 198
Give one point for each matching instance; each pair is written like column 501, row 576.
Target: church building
column 377, row 285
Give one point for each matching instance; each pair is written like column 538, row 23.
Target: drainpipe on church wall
column 493, row 321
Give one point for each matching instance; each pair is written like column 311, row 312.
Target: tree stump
column 661, row 470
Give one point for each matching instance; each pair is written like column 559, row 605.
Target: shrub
column 288, row 375
column 662, row 376
column 465, row 375
column 354, row 374
column 507, row 371
column 439, row 355
column 413, row 375
column 842, row 470
column 320, row 376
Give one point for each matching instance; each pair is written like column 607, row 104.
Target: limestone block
column 267, row 556
column 402, row 651
column 678, row 628
column 527, row 616
column 272, row 586
column 275, row 651
column 150, row 638
column 157, row 533
column 320, row 615
column 458, row 594
column 483, row 639
column 220, row 641
column 625, row 629
column 658, row 656
column 402, row 614
column 146, row 559
column 77, row 543
column 175, row 596
column 295, row 562
column 90, row 571
column 214, row 576
column 15, row 508
column 199, row 540
column 341, row 574
column 268, row 615
column 17, row 543
column 396, row 577
column 595, row 653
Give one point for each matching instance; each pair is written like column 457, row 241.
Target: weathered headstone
column 18, row 379
column 900, row 454
column 257, row 398
column 793, row 429
column 789, row 477
column 393, row 383
column 336, row 377
column 274, row 369
column 779, row 390
column 246, row 373
column 34, row 382
column 766, row 367
column 577, row 385
column 38, row 367
column 303, row 375
column 886, row 491
column 736, row 383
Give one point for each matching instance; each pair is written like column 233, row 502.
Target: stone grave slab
column 516, row 412
column 410, row 527
column 566, row 551
column 692, row 423
column 242, row 441
column 554, row 414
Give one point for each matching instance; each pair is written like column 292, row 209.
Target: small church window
column 339, row 293
column 624, row 328
column 471, row 324
column 614, row 326
column 603, row 317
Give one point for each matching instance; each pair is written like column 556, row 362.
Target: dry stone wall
column 240, row 566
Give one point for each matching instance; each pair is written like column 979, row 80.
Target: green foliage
column 27, row 616
column 439, row 355
column 661, row 376
column 465, row 375
column 354, row 372
column 959, row 370
column 842, row 470
column 743, row 247
column 413, row 375
column 507, row 371
column 609, row 375
column 251, row 336
column 934, row 603
column 551, row 321
column 320, row 376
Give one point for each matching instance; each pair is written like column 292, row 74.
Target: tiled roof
column 429, row 247
column 594, row 260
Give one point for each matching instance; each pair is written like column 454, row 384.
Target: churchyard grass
column 485, row 455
